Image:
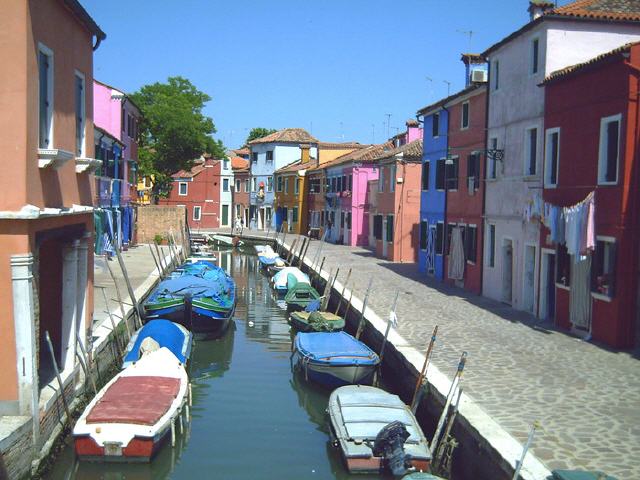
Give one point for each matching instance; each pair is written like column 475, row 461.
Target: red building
column 199, row 191
column 241, row 190
column 464, row 188
column 591, row 130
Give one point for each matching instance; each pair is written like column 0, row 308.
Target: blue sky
column 333, row 67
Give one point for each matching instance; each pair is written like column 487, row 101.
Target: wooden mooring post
column 344, row 287
column 57, row 371
column 422, row 376
column 364, row 307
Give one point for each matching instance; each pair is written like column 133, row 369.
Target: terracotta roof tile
column 600, row 9
column 444, row 101
column 197, row 168
column 410, row 151
column 364, row 155
column 241, row 151
column 296, row 166
column 338, row 146
column 239, row 163
column 288, row 135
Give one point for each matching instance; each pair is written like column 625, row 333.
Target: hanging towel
column 456, row 255
column 125, row 226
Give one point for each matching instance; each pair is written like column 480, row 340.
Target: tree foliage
column 173, row 130
column 259, row 132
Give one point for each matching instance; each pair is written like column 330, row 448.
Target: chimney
column 469, row 60
column 304, row 152
column 537, row 8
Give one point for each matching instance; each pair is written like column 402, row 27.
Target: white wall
column 226, row 197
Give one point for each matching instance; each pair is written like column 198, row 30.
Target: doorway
column 529, row 281
column 580, row 296
column 548, row 287
column 225, row 215
column 507, row 271
column 431, row 251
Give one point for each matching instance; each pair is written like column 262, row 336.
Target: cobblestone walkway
column 519, row 369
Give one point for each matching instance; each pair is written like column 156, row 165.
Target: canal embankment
column 520, row 370
column 113, row 322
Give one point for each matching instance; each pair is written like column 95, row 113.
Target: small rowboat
column 133, row 414
column 580, row 475
column 287, row 278
column 333, row 359
column 316, row 321
column 376, row 432
column 167, row 334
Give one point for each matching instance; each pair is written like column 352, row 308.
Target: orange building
column 46, row 213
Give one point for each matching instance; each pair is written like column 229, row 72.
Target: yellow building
column 290, row 198
column 145, row 184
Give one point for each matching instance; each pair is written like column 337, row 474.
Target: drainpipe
column 483, row 180
column 446, row 194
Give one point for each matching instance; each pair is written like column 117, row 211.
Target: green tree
column 259, row 132
column 173, row 130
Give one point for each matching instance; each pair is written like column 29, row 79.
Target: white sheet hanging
column 456, row 255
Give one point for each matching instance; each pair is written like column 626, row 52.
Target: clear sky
column 333, row 67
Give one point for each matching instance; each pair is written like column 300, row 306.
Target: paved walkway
column 587, row 398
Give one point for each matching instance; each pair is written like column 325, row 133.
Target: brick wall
column 159, row 220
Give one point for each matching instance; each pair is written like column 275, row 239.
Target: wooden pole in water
column 132, row 295
column 155, row 261
column 392, row 317
column 326, row 293
column 423, row 373
column 344, row 287
column 113, row 322
column 527, row 445
column 364, row 307
column 284, row 237
column 55, row 369
column 119, row 297
column 290, row 257
column 85, row 359
column 346, row 311
column 328, row 297
column 319, row 272
column 160, row 260
column 304, row 254
column 454, row 384
column 303, row 250
column 437, row 456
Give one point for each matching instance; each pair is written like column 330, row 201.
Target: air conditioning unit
column 479, row 76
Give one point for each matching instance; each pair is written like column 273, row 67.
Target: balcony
column 108, row 192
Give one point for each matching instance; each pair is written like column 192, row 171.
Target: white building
column 226, row 195
column 553, row 39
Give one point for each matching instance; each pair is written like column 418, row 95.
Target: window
column 296, row 186
column 451, row 170
column 471, row 243
column 552, row 157
column 377, row 227
column 237, row 185
column 392, row 178
column 535, row 48
column 279, row 184
column 465, row 116
column 350, row 182
column 447, row 245
column 45, row 100
column 269, row 184
column 424, row 232
column 246, row 185
column 425, row 175
column 334, row 184
column 225, row 164
column 439, row 238
column 491, row 159
column 225, row 184
column 183, row 188
column 563, row 266
column 435, row 124
column 286, row 185
column 254, row 184
column 348, row 220
column 491, row 246
column 440, row 170
column 344, row 184
column 342, row 220
column 295, row 215
column 254, row 157
column 608, row 158
column 473, row 172
column 339, row 184
column 314, row 185
column 381, row 180
column 197, row 212
column 389, row 228
column 496, row 75
column 80, row 115
column 603, row 270
column 530, row 151
column 130, row 126
column 269, row 155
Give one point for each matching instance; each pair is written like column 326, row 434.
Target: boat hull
column 202, row 321
column 333, row 376
column 138, row 450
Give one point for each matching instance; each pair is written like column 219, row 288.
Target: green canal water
column 252, row 418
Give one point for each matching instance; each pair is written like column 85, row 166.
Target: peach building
column 46, row 217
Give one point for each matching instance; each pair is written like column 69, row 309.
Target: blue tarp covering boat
column 334, row 358
column 167, row 334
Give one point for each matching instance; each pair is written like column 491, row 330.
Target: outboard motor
column 389, row 444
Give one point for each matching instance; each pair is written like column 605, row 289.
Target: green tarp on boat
column 316, row 321
column 300, row 295
column 580, row 475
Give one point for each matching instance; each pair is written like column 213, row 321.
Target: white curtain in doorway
column 456, row 255
column 580, row 297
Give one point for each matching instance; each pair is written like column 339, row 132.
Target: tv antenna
column 470, row 33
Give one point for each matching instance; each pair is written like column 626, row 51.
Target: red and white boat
column 135, row 412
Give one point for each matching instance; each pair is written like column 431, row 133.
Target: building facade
column 46, row 224
column 591, row 119
column 241, row 190
column 514, row 181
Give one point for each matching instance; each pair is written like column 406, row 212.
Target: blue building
column 433, row 190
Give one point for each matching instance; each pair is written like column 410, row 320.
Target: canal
column 252, row 418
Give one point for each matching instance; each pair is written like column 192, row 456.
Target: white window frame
column 269, row 184
column 247, row 185
column 186, row 189
column 225, row 184
column 197, row 208
column 527, row 151
column 602, row 149
column 296, row 185
column 83, row 140
column 225, row 164
column 602, row 296
column 547, row 158
column 286, row 185
column 462, row 125
column 532, row 58
column 42, row 48
column 238, row 184
column 392, row 178
column 254, row 184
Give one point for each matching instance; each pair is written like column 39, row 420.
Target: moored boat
column 300, row 294
column 304, row 321
column 133, row 414
column 166, row 334
column 333, row 359
column 376, row 432
column 269, row 259
column 287, row 278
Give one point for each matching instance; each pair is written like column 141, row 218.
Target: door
column 507, row 271
column 580, row 296
column 528, row 285
column 548, row 293
column 289, row 219
column 431, row 250
column 225, row 215
column 384, row 237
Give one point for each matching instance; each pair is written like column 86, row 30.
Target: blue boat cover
column 337, row 348
column 167, row 334
column 267, row 260
column 222, row 292
column 314, row 306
